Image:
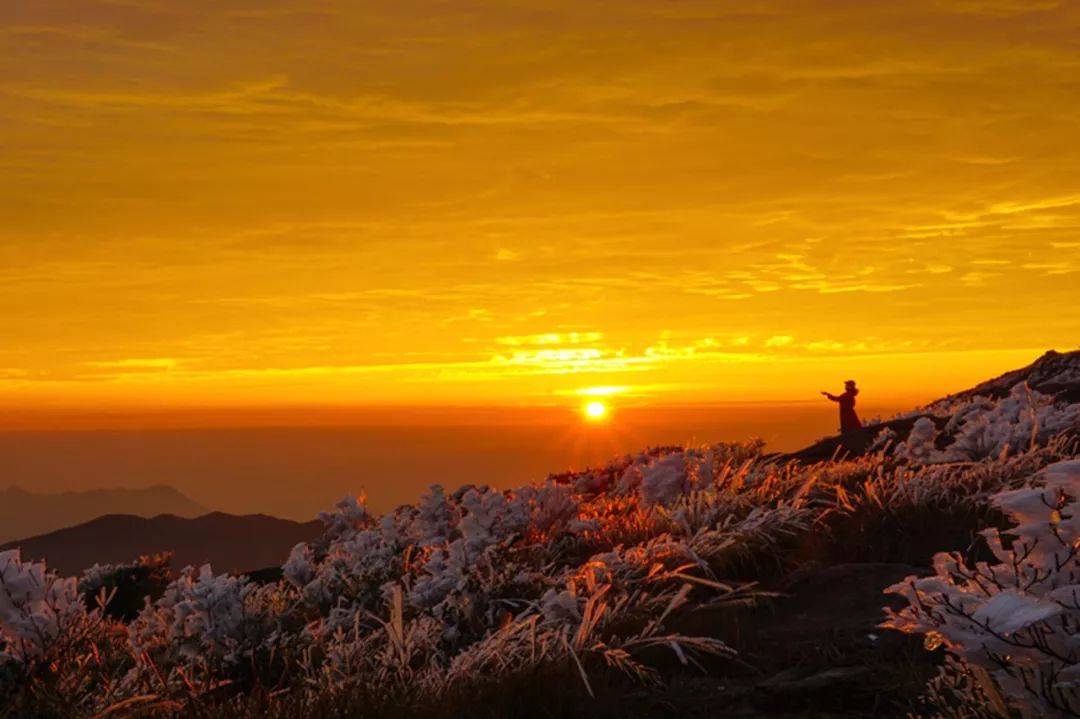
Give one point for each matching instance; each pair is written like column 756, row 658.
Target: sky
column 412, row 202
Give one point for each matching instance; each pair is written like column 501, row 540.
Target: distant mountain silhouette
column 231, row 543
column 26, row 514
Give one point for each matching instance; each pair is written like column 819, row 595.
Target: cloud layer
column 479, row 200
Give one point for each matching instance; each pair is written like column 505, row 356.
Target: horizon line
column 316, row 416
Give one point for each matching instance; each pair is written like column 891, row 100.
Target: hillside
column 1055, row 375
column 690, row 582
column 229, row 542
column 26, row 514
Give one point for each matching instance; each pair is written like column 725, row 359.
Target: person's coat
column 849, row 421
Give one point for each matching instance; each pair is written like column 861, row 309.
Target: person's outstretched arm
column 833, row 397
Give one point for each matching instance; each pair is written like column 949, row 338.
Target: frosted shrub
column 490, row 518
column 1017, row 621
column 1024, row 418
column 553, row 509
column 99, row 576
column 353, row 569
column 919, row 447
column 960, row 413
column 202, row 618
column 299, row 570
column 982, row 427
column 662, row 478
column 206, row 609
column 444, row 571
column 351, row 515
column 38, row 610
column 352, row 560
column 630, row 480
column 666, row 481
column 435, row 517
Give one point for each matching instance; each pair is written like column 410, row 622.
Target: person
column 849, row 421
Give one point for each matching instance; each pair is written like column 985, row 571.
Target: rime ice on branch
column 1017, row 619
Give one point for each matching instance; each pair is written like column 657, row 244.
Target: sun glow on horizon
column 596, row 411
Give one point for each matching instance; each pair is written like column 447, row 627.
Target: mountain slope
column 25, row 514
column 1055, row 374
column 230, row 543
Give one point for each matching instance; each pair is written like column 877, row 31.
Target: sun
column 595, row 411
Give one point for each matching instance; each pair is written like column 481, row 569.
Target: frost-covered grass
column 979, row 427
column 485, row 596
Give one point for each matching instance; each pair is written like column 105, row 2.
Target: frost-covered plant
column 1024, row 419
column 1017, row 620
column 39, row 611
column 99, row 577
column 350, row 515
column 920, row 445
column 353, row 559
column 981, row 427
column 435, row 518
column 667, row 480
column 489, row 518
column 204, row 625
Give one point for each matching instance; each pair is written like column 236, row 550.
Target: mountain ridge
column 1054, row 373
column 25, row 513
column 229, row 542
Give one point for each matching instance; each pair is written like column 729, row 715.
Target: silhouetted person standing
column 849, row 421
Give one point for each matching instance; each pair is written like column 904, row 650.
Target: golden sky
column 496, row 202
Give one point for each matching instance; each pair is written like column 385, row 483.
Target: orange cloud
column 421, row 201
